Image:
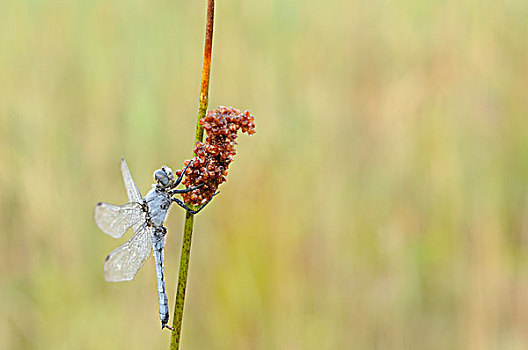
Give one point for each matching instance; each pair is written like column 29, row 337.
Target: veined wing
column 116, row 220
column 132, row 191
column 123, row 263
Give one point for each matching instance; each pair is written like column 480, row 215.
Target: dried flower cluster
column 209, row 166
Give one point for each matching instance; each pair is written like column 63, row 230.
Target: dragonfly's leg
column 180, row 178
column 173, row 192
column 181, row 204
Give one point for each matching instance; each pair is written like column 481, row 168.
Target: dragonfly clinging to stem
column 145, row 216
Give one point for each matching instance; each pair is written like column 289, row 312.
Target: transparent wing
column 116, row 220
column 132, row 191
column 124, row 262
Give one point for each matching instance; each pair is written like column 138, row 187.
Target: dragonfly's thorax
column 158, row 203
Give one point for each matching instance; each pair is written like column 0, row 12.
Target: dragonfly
column 145, row 216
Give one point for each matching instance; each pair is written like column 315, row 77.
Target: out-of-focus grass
column 383, row 202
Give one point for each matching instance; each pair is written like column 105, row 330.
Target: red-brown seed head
column 213, row 157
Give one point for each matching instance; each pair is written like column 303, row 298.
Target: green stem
column 189, row 218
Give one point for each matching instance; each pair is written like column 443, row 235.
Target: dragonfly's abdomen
column 158, row 243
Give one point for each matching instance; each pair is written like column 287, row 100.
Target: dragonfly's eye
column 169, row 172
column 161, row 177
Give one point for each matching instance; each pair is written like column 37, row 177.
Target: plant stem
column 189, row 218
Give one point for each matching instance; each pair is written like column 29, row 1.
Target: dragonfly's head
column 164, row 176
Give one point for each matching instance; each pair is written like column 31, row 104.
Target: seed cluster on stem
column 209, row 166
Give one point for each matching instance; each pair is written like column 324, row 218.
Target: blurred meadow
column 382, row 203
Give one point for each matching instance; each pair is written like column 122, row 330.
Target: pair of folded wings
column 123, row 263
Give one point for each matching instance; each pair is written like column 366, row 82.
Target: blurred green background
column 382, row 203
